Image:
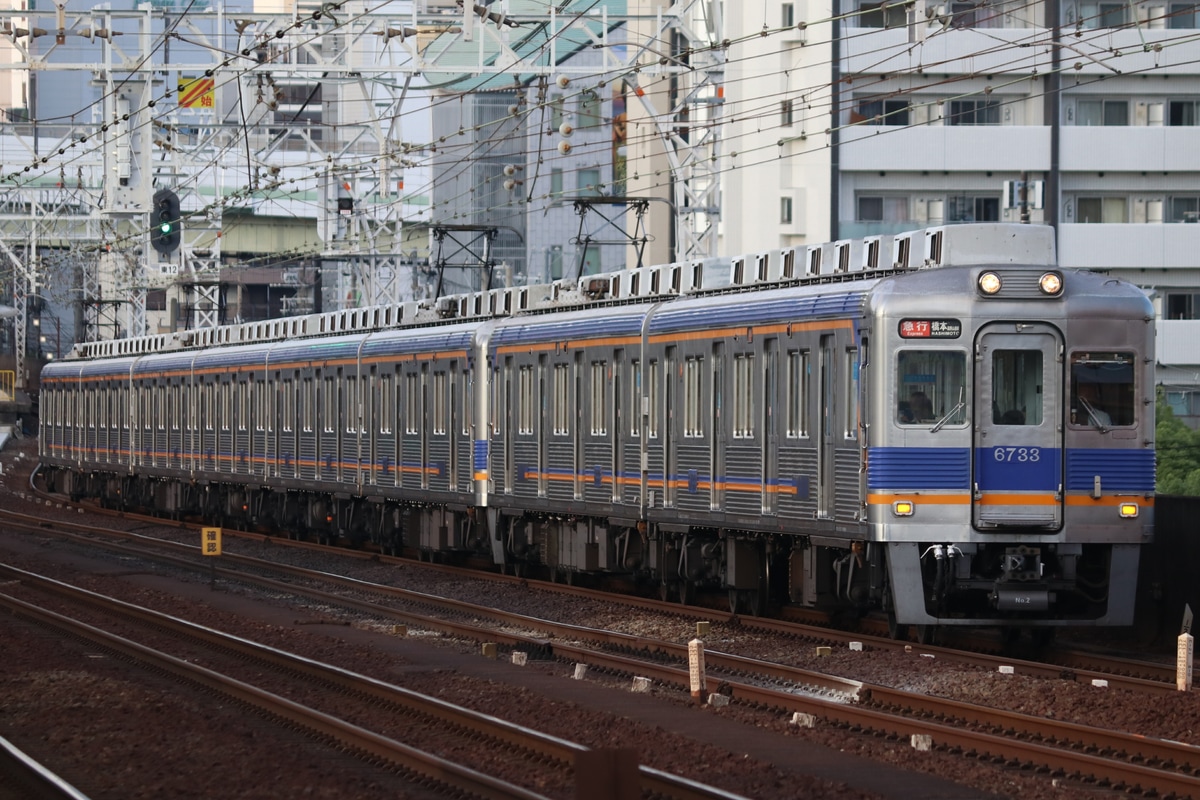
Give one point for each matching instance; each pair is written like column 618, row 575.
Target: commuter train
column 943, row 425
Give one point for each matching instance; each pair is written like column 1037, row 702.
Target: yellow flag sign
column 196, row 92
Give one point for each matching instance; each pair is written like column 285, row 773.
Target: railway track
column 1081, row 752
column 25, row 777
column 543, row 760
column 1062, row 663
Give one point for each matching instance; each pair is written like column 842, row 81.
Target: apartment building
column 888, row 117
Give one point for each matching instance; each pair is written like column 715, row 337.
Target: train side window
column 635, row 388
column 850, row 428
column 352, row 404
column 441, row 403
column 329, row 404
column 798, row 389
column 1102, row 389
column 412, row 403
column 692, row 404
column 931, row 386
column 743, row 396
column 652, row 400
column 525, row 400
column 562, row 399
column 599, row 398
column 385, row 403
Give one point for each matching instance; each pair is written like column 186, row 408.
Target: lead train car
column 963, row 435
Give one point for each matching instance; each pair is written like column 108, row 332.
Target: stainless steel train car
column 943, row 425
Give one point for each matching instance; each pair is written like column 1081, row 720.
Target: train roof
column 842, row 262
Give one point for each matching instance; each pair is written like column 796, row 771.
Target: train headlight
column 1128, row 510
column 989, row 283
column 902, row 508
column 1051, row 283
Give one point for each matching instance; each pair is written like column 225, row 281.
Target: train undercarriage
column 926, row 584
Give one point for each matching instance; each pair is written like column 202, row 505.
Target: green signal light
column 165, row 227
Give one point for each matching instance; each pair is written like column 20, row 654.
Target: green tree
column 1178, row 451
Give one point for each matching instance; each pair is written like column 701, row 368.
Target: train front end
column 1010, row 474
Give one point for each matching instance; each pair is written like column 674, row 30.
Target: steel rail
column 540, row 744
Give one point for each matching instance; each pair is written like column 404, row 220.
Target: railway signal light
column 166, row 228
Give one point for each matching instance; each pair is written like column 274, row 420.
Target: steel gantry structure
column 307, row 114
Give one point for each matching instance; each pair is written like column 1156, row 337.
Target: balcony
column 1178, row 343
column 955, row 51
column 946, row 148
column 1129, row 148
column 1128, row 246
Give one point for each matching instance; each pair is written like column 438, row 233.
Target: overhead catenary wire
column 816, row 97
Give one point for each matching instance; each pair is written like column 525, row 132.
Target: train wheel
column 687, row 593
column 664, row 591
column 926, row 634
column 895, row 629
column 747, row 601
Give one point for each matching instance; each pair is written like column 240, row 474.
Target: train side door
column 1017, row 469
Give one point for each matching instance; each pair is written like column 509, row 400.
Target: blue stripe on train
column 918, row 468
column 1009, row 469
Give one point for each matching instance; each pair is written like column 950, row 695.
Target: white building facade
column 860, row 118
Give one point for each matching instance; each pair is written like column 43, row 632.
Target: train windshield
column 931, row 387
column 1102, row 389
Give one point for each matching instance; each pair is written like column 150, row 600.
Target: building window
column 785, row 113
column 588, row 184
column 589, row 110
column 1185, row 209
column 554, row 262
column 1182, row 15
column 556, row 185
column 882, row 209
column 1102, row 112
column 557, row 115
column 785, row 210
column 1183, row 112
column 882, row 15
column 787, row 15
column 974, row 111
column 1183, row 305
column 1102, row 209
column 881, row 112
column 973, row 209
column 1111, row 15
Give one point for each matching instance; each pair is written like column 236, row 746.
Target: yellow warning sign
column 196, row 92
column 210, row 541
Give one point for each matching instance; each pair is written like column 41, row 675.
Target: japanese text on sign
column 930, row 329
column 210, row 541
